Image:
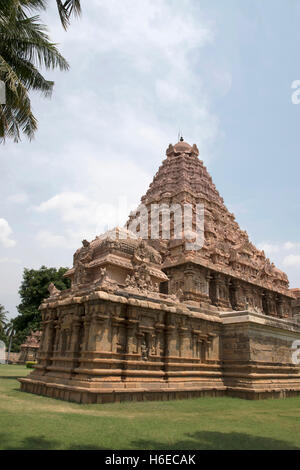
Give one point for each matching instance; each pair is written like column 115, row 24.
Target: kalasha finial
column 180, row 138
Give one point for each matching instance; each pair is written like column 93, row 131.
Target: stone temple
column 149, row 318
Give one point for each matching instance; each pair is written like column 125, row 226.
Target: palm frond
column 24, row 47
column 67, row 9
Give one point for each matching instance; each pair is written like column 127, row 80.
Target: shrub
column 30, row 364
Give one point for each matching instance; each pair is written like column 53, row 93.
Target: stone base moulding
column 91, row 396
column 84, row 396
column 186, row 354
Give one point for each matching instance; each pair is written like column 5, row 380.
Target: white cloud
column 10, row 260
column 143, row 72
column 49, row 240
column 269, row 248
column 80, row 211
column 291, row 245
column 131, row 25
column 171, row 92
column 81, row 217
column 18, row 198
column 5, row 233
column 68, row 204
column 292, row 261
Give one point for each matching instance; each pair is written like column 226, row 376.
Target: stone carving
column 179, row 295
column 103, row 274
column 145, row 253
column 105, row 282
column 53, row 290
column 140, row 280
column 108, row 262
column 144, row 349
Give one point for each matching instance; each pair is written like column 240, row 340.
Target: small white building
column 2, row 352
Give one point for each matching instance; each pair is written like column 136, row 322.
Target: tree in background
column 33, row 290
column 10, row 333
column 3, row 318
column 24, row 48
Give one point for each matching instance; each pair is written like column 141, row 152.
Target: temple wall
column 257, row 355
column 105, row 347
column 121, row 344
column 201, row 285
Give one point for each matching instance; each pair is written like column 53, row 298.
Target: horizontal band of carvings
column 119, row 372
column 262, row 365
column 193, row 373
column 193, row 367
column 229, row 318
column 69, row 370
column 271, row 389
column 278, row 376
column 59, row 358
column 188, row 311
column 131, row 363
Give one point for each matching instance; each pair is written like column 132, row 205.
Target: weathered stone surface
column 149, row 319
column 296, row 304
column 256, row 354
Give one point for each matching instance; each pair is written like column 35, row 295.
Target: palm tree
column 10, row 333
column 24, row 46
column 3, row 318
column 67, row 9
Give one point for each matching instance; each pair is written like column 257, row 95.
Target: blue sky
column 140, row 71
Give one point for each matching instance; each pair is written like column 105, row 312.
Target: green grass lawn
column 33, row 422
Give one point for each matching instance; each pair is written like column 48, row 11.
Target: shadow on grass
column 41, row 443
column 29, row 443
column 208, row 440
column 196, row 441
column 11, row 377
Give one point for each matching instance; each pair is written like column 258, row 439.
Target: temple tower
column 228, row 272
